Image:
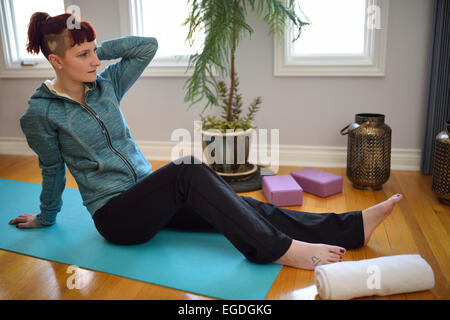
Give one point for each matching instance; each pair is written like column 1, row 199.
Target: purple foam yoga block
column 282, row 190
column 320, row 183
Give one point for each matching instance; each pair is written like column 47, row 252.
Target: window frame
column 372, row 63
column 8, row 69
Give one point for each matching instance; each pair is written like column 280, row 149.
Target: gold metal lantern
column 441, row 166
column 368, row 151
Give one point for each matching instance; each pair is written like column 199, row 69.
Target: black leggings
column 190, row 196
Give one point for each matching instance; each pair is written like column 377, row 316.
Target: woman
column 75, row 120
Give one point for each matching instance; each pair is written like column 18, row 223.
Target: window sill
column 47, row 73
column 162, row 71
column 26, row 73
column 281, row 70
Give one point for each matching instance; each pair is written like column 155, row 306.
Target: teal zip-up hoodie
column 93, row 140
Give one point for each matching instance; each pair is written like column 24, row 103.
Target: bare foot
column 307, row 256
column 373, row 216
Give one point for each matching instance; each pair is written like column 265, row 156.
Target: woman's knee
column 190, row 159
column 119, row 237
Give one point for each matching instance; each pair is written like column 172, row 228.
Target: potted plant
column 224, row 23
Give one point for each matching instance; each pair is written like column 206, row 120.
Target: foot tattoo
column 315, row 260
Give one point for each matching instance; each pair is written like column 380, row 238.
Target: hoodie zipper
column 105, row 133
column 108, row 139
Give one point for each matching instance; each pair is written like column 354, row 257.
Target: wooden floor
column 419, row 224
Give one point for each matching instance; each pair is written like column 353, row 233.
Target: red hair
column 43, row 29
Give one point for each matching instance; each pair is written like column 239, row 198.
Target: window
column 160, row 19
column 14, row 18
column 163, row 20
column 344, row 38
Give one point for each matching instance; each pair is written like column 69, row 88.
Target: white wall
column 309, row 111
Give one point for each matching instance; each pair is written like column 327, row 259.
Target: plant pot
column 227, row 153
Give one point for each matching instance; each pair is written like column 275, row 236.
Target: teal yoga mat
column 203, row 263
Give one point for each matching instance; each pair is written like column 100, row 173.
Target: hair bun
column 34, row 31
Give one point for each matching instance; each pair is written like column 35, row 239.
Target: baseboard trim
column 289, row 155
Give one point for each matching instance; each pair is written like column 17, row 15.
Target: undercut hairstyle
column 50, row 35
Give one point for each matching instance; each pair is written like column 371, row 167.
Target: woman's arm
column 136, row 53
column 42, row 138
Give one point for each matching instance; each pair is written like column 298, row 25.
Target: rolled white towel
column 380, row 276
